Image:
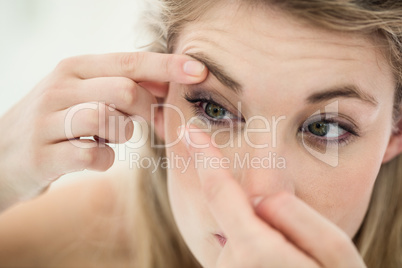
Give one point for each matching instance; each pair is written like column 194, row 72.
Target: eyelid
column 200, row 111
column 343, row 121
column 200, row 94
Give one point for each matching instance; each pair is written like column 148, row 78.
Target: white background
column 37, row 34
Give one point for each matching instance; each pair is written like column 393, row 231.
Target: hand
column 40, row 135
column 275, row 231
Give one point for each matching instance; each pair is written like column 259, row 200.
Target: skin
column 98, row 93
column 72, row 224
column 305, row 214
column 280, row 62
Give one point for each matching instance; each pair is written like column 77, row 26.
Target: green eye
column 319, row 128
column 215, row 111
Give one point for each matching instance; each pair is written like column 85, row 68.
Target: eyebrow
column 349, row 91
column 218, row 71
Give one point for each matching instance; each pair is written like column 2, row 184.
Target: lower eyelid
column 199, row 111
column 233, row 116
column 194, row 98
column 321, row 144
column 342, row 141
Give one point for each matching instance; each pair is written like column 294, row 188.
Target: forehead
column 270, row 32
column 259, row 45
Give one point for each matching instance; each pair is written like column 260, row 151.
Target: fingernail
column 193, row 68
column 257, row 200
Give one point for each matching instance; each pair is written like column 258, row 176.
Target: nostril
column 221, row 239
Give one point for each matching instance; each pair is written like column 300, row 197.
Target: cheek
column 342, row 194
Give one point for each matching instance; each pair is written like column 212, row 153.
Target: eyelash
column 345, row 139
column 199, row 111
column 351, row 131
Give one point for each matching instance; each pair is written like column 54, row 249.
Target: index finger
column 224, row 196
column 306, row 228
column 139, row 66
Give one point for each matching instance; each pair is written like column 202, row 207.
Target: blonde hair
column 379, row 238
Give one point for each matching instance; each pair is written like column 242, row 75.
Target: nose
column 265, row 172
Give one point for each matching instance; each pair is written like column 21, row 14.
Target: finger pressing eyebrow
column 218, row 71
column 138, row 66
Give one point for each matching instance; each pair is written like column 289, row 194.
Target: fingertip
column 103, row 158
column 106, row 159
column 270, row 208
column 111, row 156
column 194, row 68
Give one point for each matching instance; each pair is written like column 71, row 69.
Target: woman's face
column 315, row 117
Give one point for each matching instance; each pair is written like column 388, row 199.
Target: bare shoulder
column 67, row 224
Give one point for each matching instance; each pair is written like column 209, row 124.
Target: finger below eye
column 306, row 229
column 218, row 186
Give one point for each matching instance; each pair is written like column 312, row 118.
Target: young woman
column 291, row 135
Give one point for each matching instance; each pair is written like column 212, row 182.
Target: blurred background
column 37, row 34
